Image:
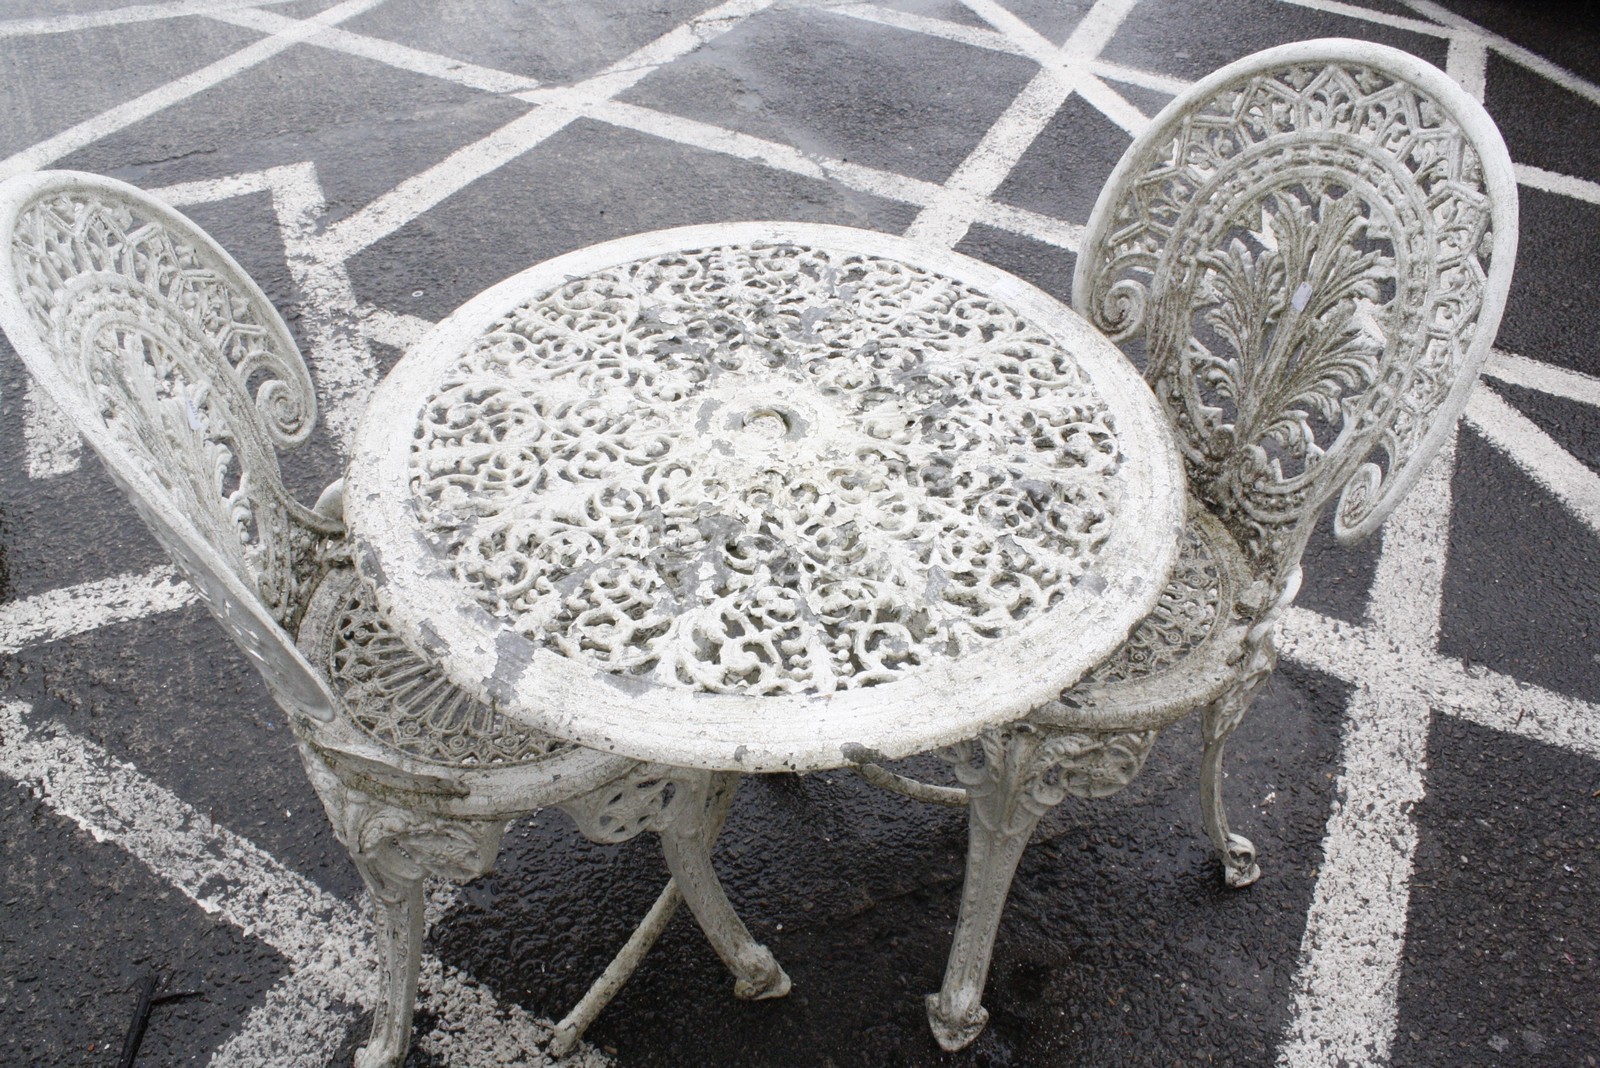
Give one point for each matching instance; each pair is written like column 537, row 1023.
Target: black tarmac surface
column 1119, row 944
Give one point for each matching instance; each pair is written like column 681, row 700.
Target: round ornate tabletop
column 764, row 496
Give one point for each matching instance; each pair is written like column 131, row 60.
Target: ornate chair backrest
column 174, row 366
column 1312, row 246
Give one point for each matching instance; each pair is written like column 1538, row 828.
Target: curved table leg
column 686, row 843
column 569, row 1030
column 1006, row 797
column 687, row 809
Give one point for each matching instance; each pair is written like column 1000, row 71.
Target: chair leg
column 1006, row 797
column 395, row 849
column 1218, row 721
column 686, row 842
column 397, row 900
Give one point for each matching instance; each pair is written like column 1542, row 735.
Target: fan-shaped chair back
column 178, row 371
column 1312, row 248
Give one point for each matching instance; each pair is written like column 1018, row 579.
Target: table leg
column 686, row 843
column 1006, row 796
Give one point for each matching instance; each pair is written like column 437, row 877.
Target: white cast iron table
column 764, row 497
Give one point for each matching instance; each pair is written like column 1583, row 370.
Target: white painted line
column 1467, row 61
column 466, row 165
column 340, row 357
column 327, row 941
column 129, row 112
column 1545, row 377
column 1364, row 657
column 980, row 174
column 1149, row 79
column 62, row 613
column 1536, row 453
column 122, row 16
column 886, row 184
column 1514, row 52
column 992, row 40
column 1345, row 1003
column 395, row 329
column 224, row 874
column 52, row 443
column 1382, row 18
column 419, row 193
column 1113, row 105
column 395, row 55
column 1550, row 182
column 298, row 1022
column 1004, row 143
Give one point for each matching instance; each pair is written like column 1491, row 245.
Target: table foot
column 769, row 980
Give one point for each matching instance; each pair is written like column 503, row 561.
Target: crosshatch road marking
column 326, row 941
column 1345, row 1001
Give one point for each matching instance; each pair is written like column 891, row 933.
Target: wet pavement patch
column 1501, row 955
column 81, row 923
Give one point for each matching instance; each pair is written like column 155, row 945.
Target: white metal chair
column 177, row 370
column 1310, row 252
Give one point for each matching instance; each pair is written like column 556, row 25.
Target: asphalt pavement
column 1421, row 777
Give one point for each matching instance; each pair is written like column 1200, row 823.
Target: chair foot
column 955, row 1030
column 1239, row 867
column 564, row 1040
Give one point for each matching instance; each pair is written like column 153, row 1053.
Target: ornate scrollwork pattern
column 169, row 350
column 405, row 844
column 1183, row 618
column 766, row 469
column 404, row 702
column 1306, row 258
column 1014, row 774
column 648, row 798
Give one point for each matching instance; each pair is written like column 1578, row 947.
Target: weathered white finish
column 1310, row 251
column 764, row 496
column 177, row 370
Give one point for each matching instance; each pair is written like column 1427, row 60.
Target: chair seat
column 417, row 723
column 1184, row 653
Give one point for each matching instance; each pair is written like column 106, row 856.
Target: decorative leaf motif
column 1303, row 254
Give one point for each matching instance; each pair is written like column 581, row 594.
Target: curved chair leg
column 397, row 899
column 395, row 849
column 686, row 842
column 1218, row 720
column 1005, row 799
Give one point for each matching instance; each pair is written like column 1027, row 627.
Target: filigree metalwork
column 169, row 346
column 1305, row 251
column 1310, row 249
column 1184, row 617
column 766, row 469
column 179, row 373
column 403, row 701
